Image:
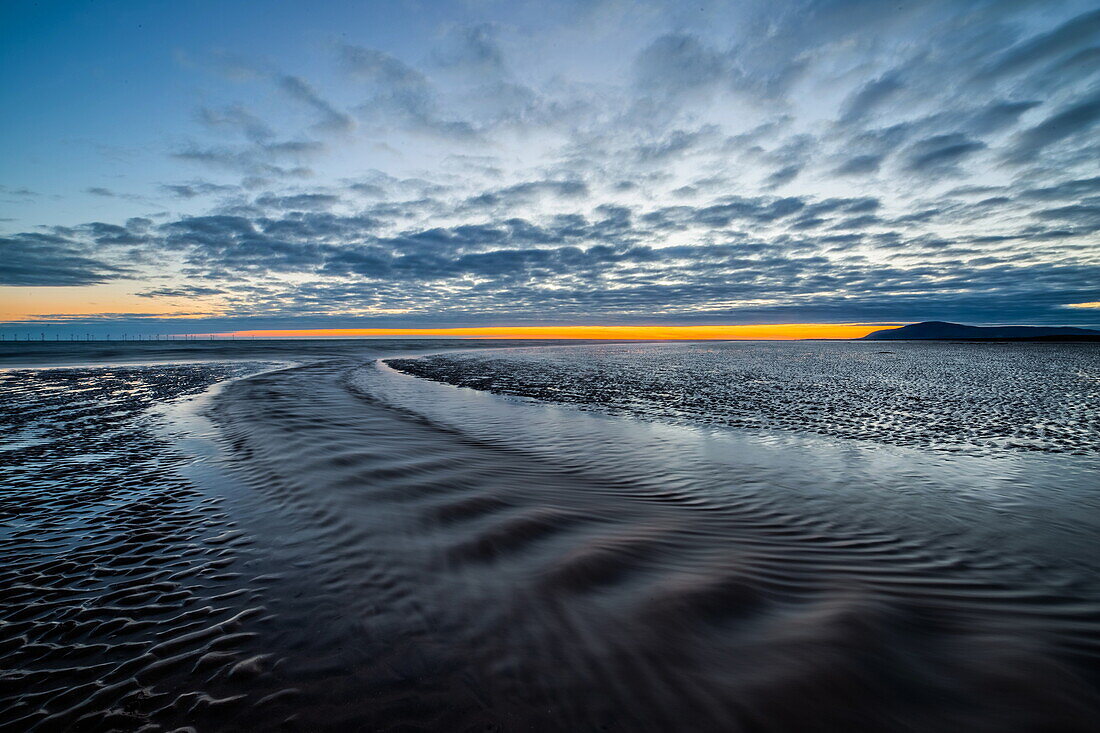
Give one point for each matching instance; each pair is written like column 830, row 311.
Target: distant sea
column 449, row 535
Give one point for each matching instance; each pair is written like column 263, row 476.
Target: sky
column 200, row 167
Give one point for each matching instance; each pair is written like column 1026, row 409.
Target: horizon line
column 758, row 332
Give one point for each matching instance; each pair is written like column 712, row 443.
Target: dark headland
column 943, row 331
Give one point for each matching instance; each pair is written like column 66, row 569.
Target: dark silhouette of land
column 943, row 331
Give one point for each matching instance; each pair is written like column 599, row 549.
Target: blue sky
column 233, row 165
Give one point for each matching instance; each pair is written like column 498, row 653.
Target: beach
column 419, row 535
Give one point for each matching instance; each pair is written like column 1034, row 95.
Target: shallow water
column 412, row 555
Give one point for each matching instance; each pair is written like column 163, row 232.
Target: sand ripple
column 353, row 561
column 120, row 606
column 944, row 397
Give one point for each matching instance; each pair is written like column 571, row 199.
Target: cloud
column 743, row 161
column 402, row 95
column 522, row 193
column 678, row 63
column 999, row 115
column 475, row 50
column 1071, row 69
column 686, row 65
column 782, row 176
column 859, row 165
column 368, row 189
column 181, row 291
column 196, row 188
column 238, row 119
column 1063, row 39
column 1071, row 120
column 306, row 201
column 674, row 145
column 20, row 191
column 31, row 259
column 941, row 153
column 1065, row 190
column 377, row 67
column 871, row 96
column 332, row 120
column 263, row 159
column 613, row 264
column 1084, row 218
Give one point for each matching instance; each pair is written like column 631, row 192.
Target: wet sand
column 122, row 599
column 311, row 548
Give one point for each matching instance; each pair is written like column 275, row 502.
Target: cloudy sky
column 207, row 166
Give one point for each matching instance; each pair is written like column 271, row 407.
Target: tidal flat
column 447, row 535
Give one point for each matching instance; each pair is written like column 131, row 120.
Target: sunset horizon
column 789, row 331
column 753, row 332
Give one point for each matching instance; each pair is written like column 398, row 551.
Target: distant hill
column 951, row 331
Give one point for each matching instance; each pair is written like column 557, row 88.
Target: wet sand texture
column 354, row 565
column 121, row 600
column 934, row 396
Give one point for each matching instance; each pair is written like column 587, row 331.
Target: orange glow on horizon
column 776, row 332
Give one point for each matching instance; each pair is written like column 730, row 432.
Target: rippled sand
column 122, row 593
column 339, row 546
column 940, row 396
